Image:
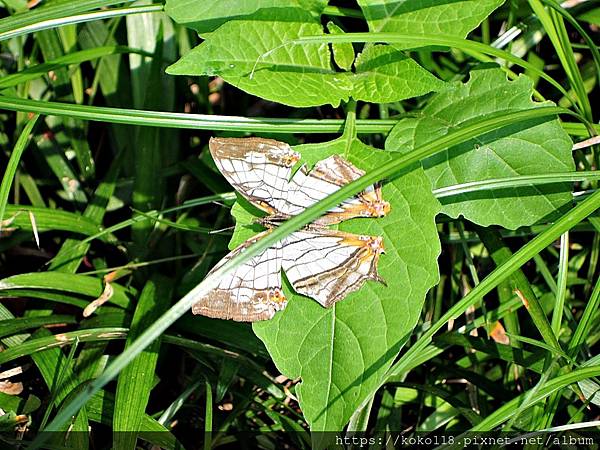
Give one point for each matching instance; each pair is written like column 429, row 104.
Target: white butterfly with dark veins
column 320, row 263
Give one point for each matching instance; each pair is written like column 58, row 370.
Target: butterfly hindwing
column 326, row 177
column 327, row 264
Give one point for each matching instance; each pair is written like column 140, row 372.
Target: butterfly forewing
column 259, row 169
column 326, row 177
column 251, row 292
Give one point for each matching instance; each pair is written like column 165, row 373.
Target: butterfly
column 319, row 262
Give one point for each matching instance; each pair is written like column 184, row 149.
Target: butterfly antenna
column 221, row 230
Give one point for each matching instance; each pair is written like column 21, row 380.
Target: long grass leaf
column 14, row 326
column 216, row 122
column 66, row 282
column 54, row 12
column 32, row 346
column 13, row 165
column 49, row 219
column 189, row 121
column 8, row 30
column 136, row 380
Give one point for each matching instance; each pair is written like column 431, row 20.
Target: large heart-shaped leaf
column 341, row 353
column 523, row 149
column 257, row 56
column 252, row 55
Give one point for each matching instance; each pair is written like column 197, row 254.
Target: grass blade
column 137, row 379
column 208, row 417
column 14, row 326
column 45, row 24
column 66, row 282
column 33, row 346
column 13, row 165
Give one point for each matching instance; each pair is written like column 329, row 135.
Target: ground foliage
column 467, row 111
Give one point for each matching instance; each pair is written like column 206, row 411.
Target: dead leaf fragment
column 104, row 297
column 9, row 388
column 12, row 372
column 35, row 229
column 498, row 334
column 523, row 298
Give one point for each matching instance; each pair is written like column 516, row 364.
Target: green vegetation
column 477, row 117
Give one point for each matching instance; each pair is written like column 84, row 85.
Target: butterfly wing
column 251, row 292
column 323, row 264
column 327, row 176
column 259, row 169
column 327, row 265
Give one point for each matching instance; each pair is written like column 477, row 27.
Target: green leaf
column 419, row 16
column 341, row 353
column 48, row 219
column 527, row 148
column 55, row 368
column 19, row 405
column 384, row 75
column 227, row 374
column 8, row 422
column 343, row 52
column 251, row 55
column 100, row 409
column 208, row 15
column 591, row 16
column 66, row 282
column 136, row 381
column 264, row 63
column 245, row 222
column 13, row 164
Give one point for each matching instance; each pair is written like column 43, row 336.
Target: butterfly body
column 320, row 263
